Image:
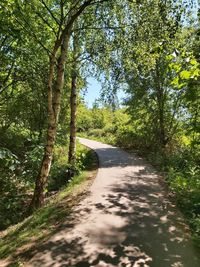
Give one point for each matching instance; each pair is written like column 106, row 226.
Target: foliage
column 180, row 167
column 62, row 173
column 18, row 174
column 8, row 159
column 179, row 160
column 148, row 49
column 42, row 223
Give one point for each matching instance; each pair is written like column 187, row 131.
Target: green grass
column 44, row 222
column 181, row 171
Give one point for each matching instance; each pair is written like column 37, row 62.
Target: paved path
column 126, row 220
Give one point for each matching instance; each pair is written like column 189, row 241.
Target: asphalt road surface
column 125, row 220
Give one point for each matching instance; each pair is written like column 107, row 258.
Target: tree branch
column 8, row 75
column 50, row 12
column 33, row 34
column 46, row 22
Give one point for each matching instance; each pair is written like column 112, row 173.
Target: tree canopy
column 48, row 49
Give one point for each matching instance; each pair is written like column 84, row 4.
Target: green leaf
column 185, row 74
column 193, row 62
column 175, row 81
column 196, row 73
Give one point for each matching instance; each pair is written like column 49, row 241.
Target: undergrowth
column 19, row 240
column 181, row 171
column 19, row 165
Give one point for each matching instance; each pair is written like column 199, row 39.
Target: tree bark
column 161, row 104
column 161, row 122
column 54, row 102
column 73, row 108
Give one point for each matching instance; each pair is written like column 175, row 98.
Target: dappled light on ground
column 126, row 221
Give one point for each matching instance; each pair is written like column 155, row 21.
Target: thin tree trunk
column 54, row 102
column 73, row 107
column 162, row 125
column 161, row 104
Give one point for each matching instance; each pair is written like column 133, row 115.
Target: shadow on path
column 127, row 221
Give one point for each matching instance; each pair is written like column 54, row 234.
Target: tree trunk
column 161, row 104
column 54, row 102
column 73, row 107
column 162, row 125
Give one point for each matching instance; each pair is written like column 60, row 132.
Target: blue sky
column 93, row 92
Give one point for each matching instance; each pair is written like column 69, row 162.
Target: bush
column 61, row 171
column 12, row 188
column 31, row 164
column 183, row 177
column 97, row 133
column 8, row 160
column 128, row 138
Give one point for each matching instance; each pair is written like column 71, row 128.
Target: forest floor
column 126, row 219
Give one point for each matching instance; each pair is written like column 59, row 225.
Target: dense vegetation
column 18, row 242
column 148, row 49
column 178, row 161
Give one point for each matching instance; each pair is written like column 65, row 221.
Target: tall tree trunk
column 73, row 107
column 161, row 104
column 161, row 123
column 54, row 101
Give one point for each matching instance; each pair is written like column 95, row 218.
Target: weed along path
column 126, row 220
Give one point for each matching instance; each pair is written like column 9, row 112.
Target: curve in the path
column 126, row 220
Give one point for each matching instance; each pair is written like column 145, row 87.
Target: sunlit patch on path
column 125, row 221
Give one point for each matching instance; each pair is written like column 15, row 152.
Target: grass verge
column 18, row 242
